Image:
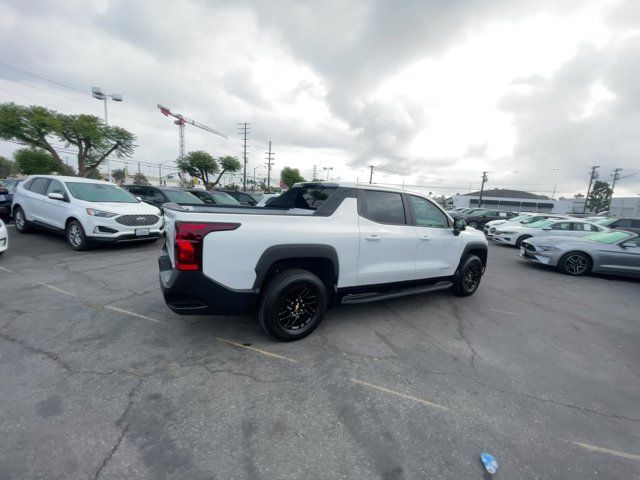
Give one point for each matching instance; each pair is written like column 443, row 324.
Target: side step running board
column 375, row 297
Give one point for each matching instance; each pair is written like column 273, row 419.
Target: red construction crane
column 180, row 120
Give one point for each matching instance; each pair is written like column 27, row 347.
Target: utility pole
column 484, row 179
column 315, row 168
column 243, row 130
column 371, row 174
column 592, row 177
column 616, row 177
column 138, row 168
column 269, row 163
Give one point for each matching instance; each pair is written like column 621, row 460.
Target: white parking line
column 6, row 270
column 56, row 289
column 133, row 314
column 505, row 312
column 399, row 394
column 254, row 349
column 593, row 448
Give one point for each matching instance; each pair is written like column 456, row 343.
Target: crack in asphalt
column 123, row 432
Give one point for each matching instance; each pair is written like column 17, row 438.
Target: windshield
column 605, row 221
column 540, row 224
column 609, row 237
column 100, row 192
column 178, row 196
column 224, row 198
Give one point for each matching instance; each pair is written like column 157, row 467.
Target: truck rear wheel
column 293, row 305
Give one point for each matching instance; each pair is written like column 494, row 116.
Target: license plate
column 522, row 250
column 142, row 232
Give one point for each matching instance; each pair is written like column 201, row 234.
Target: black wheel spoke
column 297, row 307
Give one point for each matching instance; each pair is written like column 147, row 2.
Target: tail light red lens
column 188, row 242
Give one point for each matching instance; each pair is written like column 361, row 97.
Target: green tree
column 7, row 167
column 95, row 140
column 290, row 176
column 599, row 197
column 119, row 175
column 140, row 179
column 33, row 161
column 39, row 127
column 94, row 174
column 204, row 166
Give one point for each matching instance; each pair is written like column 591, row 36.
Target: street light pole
column 96, row 92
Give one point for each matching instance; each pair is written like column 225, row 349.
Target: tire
column 575, row 264
column 472, row 224
column 20, row 220
column 287, row 290
column 76, row 238
column 521, row 239
column 467, row 278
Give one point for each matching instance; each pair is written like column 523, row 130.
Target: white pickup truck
column 316, row 245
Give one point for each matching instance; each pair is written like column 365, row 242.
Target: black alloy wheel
column 468, row 276
column 292, row 305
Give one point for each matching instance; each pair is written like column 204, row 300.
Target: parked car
column 625, row 223
column 514, row 234
column 266, row 199
column 86, row 211
column 5, row 204
column 614, row 252
column 214, row 197
column 4, row 237
column 522, row 219
column 479, row 219
column 158, row 195
column 245, row 198
column 355, row 244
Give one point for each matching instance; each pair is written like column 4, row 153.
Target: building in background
column 507, row 200
column 519, row 201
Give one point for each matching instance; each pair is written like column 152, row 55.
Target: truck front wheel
column 467, row 279
column 292, row 305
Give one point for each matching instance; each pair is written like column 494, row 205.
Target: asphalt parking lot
column 100, row 380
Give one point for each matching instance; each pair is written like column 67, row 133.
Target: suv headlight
column 99, row 213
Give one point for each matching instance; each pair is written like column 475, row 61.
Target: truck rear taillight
column 188, row 243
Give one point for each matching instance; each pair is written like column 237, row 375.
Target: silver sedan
column 616, row 252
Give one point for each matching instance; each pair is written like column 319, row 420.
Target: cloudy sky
column 432, row 92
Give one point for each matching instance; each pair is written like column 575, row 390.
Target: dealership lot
column 100, row 380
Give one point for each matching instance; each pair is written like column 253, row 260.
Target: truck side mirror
column 459, row 225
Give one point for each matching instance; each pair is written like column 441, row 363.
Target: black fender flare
column 475, row 246
column 292, row 251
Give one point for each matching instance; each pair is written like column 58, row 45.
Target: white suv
column 87, row 211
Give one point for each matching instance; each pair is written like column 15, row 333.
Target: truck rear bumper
column 192, row 293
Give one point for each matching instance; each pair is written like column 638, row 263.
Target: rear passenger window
column 39, row 185
column 622, row 223
column 382, row 207
column 635, row 223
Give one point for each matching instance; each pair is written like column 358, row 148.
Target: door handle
column 425, row 238
column 372, row 238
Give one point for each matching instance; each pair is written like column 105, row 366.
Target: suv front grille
column 137, row 220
